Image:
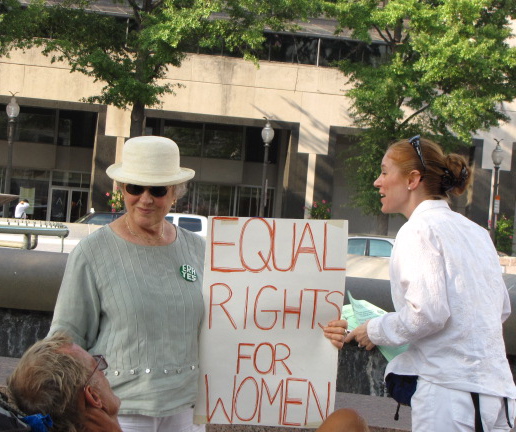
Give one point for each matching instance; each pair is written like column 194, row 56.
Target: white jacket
column 450, row 301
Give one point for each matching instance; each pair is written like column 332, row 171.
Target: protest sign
column 269, row 287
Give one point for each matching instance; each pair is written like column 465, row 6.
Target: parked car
column 195, row 223
column 370, row 246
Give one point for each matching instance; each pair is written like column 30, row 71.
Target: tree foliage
column 131, row 56
column 446, row 72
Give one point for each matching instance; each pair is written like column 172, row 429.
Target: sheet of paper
column 358, row 312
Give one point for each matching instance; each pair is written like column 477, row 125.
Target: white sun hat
column 150, row 161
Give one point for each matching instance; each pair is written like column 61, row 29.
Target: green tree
column 445, row 73
column 131, row 56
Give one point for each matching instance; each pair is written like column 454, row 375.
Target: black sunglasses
column 101, row 366
column 155, row 191
column 416, row 144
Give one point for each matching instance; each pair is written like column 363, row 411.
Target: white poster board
column 269, row 286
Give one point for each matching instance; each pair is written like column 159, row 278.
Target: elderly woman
column 126, row 293
column 449, row 296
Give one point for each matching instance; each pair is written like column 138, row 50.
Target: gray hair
column 47, row 381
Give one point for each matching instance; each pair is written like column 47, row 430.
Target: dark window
column 77, row 128
column 333, row 50
column 190, row 223
column 254, row 147
column 293, row 49
column 153, row 126
column 187, row 135
column 36, row 125
column 223, row 141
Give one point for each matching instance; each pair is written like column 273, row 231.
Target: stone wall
column 508, row 264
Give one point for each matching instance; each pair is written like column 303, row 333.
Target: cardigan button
column 147, row 370
column 165, row 371
column 131, row 371
column 117, row 373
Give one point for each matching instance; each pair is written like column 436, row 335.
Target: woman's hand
column 335, row 331
column 360, row 335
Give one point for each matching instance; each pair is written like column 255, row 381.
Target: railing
column 31, row 229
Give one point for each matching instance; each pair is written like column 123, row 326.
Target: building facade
column 63, row 146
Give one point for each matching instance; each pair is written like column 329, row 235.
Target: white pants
column 181, row 422
column 438, row 409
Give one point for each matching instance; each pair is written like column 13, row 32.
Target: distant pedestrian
column 21, row 208
column 449, row 297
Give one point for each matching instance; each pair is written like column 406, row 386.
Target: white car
column 370, row 246
column 195, row 223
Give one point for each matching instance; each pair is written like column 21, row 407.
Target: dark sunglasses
column 155, row 191
column 101, row 366
column 416, row 144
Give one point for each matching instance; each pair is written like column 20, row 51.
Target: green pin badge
column 188, row 272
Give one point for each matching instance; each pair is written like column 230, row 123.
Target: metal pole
column 264, row 180
column 8, row 169
column 495, row 194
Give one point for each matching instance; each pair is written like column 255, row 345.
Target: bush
column 116, row 200
column 320, row 210
column 503, row 234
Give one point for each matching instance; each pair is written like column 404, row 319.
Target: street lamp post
column 497, row 157
column 12, row 109
column 267, row 136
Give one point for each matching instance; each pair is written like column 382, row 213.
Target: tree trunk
column 382, row 224
column 137, row 119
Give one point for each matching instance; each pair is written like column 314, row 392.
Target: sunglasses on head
column 416, row 145
column 155, row 191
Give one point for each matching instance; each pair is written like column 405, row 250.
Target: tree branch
column 381, row 34
column 410, row 117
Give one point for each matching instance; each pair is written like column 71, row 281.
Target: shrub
column 320, row 210
column 116, row 200
column 503, row 234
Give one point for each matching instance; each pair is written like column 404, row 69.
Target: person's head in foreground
column 57, row 377
column 415, row 170
column 151, row 180
column 344, row 420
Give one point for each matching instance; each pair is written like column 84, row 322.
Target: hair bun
column 449, row 181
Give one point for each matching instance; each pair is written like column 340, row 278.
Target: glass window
column 357, row 246
column 190, row 223
column 380, row 248
column 153, row 126
column 36, row 125
column 254, row 147
column 187, row 135
column 77, row 128
column 293, row 49
column 67, row 178
column 223, row 141
column 33, row 185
